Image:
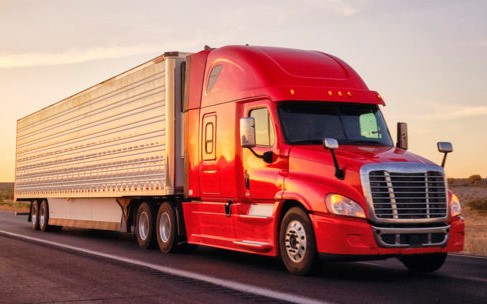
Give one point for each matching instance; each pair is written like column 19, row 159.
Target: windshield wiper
column 365, row 142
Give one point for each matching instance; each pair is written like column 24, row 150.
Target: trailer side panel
column 112, row 140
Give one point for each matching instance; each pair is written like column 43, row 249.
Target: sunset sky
column 428, row 59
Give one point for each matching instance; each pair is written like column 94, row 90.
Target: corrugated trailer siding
column 108, row 141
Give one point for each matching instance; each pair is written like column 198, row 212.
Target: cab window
column 264, row 129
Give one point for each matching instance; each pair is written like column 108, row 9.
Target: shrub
column 478, row 204
column 474, row 179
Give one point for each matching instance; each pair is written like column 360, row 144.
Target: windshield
column 350, row 124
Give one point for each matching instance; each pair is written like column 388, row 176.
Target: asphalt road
column 84, row 266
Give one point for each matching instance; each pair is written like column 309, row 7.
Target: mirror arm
column 332, row 144
column 339, row 173
column 267, row 156
column 444, row 160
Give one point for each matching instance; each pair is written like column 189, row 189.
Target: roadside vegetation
column 472, row 192
column 6, row 199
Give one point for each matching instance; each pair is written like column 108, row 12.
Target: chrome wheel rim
column 295, row 241
column 42, row 216
column 144, row 225
column 34, row 214
column 165, row 227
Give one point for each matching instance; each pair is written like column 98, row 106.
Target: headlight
column 341, row 205
column 455, row 206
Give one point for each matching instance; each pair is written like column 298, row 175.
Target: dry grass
column 14, row 207
column 475, row 221
column 475, row 232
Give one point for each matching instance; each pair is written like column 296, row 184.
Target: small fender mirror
column 445, row 147
column 247, row 132
column 330, row 143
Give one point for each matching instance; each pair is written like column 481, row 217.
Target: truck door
column 254, row 221
column 213, row 217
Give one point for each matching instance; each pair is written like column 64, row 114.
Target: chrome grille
column 405, row 196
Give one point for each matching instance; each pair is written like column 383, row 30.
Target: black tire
column 34, row 215
column 297, row 242
column 145, row 229
column 424, row 262
column 44, row 216
column 166, row 228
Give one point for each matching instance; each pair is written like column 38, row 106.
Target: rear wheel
column 145, row 226
column 424, row 262
column 34, row 215
column 43, row 216
column 166, row 228
column 297, row 242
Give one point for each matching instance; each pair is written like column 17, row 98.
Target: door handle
column 247, row 181
column 228, row 208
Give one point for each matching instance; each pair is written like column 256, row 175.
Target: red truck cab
column 287, row 154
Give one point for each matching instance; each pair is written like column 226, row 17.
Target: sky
column 427, row 58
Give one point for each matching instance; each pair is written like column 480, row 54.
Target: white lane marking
column 183, row 273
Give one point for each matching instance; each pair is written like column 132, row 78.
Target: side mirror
column 247, row 132
column 402, row 135
column 247, row 139
column 332, row 144
column 444, row 147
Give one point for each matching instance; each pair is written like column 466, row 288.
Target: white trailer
column 92, row 153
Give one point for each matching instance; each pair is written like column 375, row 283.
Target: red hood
column 353, row 157
column 314, row 164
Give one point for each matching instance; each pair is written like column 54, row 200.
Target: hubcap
column 165, row 227
column 34, row 214
column 144, row 225
column 42, row 216
column 295, row 241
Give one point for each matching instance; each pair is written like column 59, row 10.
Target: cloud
column 345, row 8
column 36, row 59
column 453, row 112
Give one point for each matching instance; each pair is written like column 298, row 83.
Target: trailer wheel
column 423, row 262
column 145, row 226
column 166, row 228
column 43, row 216
column 34, row 215
column 297, row 242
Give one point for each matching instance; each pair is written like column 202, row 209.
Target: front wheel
column 297, row 242
column 424, row 262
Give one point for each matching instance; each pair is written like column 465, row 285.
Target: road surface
column 84, row 266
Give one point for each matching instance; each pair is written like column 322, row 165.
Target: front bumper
column 337, row 235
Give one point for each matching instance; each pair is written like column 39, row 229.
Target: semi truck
column 272, row 151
